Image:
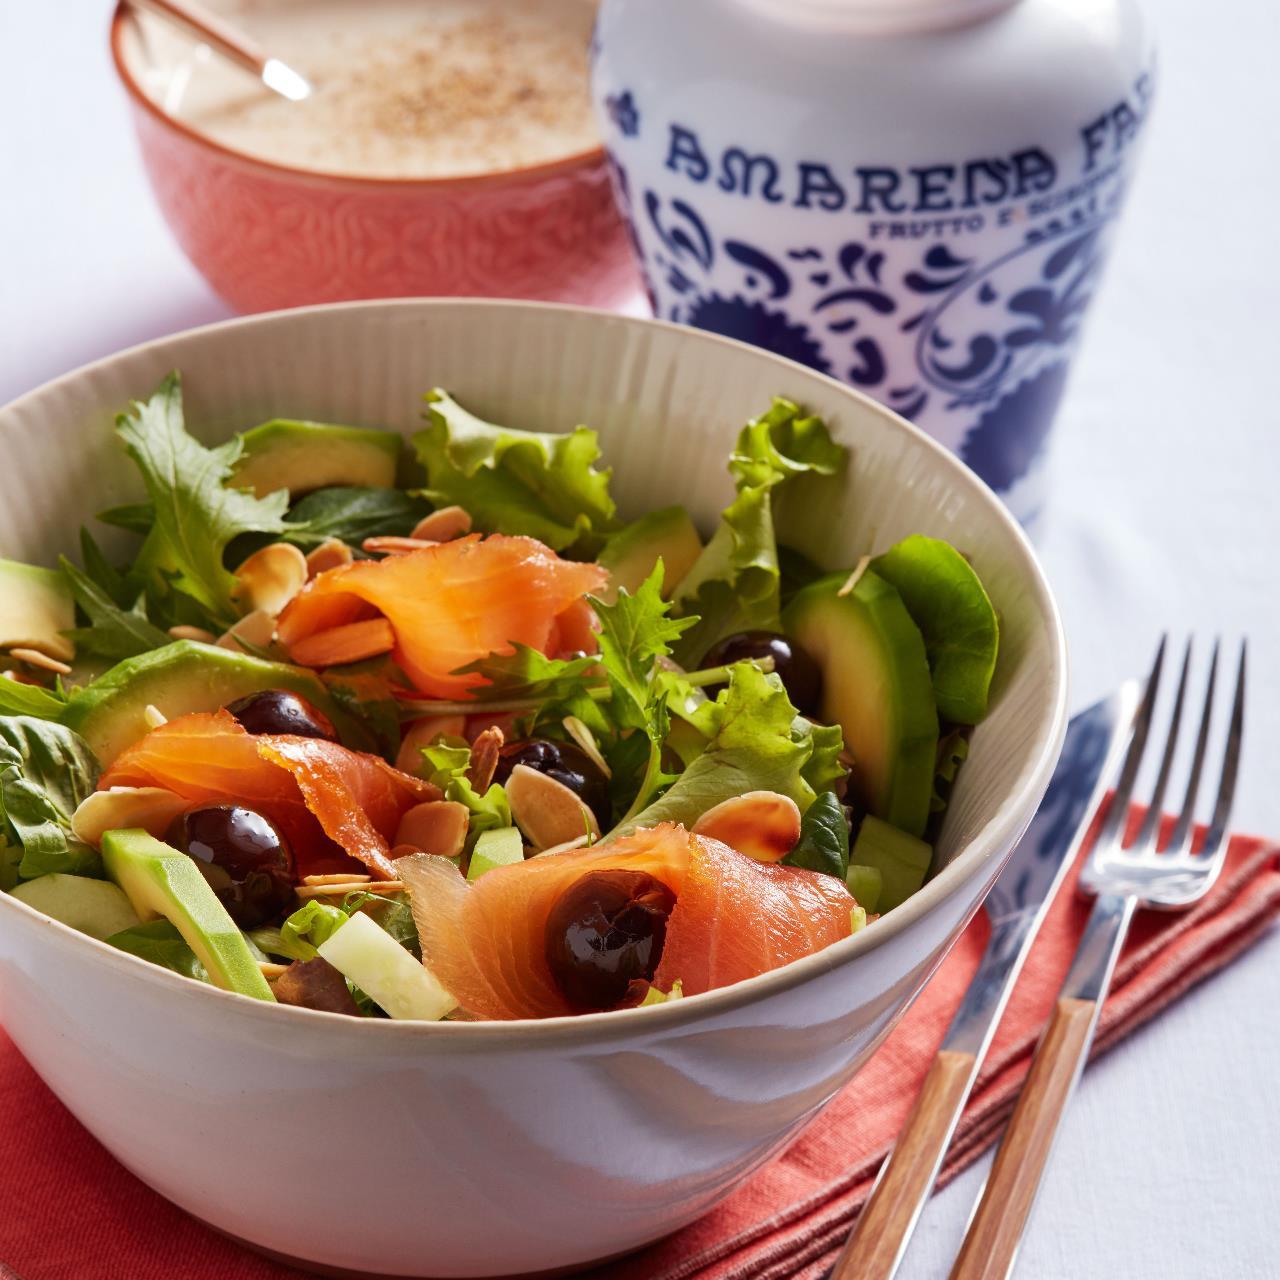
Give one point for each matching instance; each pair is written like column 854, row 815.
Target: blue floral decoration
column 754, row 322
column 624, row 113
column 1006, row 440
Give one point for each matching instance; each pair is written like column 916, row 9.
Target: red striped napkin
column 70, row 1212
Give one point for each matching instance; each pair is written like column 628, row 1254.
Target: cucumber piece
column 498, row 848
column 387, row 973
column 96, row 907
column 902, row 860
column 866, row 884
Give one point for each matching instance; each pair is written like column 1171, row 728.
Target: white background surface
column 1166, row 513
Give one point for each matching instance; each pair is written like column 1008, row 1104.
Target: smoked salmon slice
column 450, row 604
column 733, row 918
column 319, row 793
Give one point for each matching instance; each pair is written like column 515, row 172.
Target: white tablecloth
column 1166, row 514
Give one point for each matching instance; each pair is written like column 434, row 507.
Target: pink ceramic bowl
column 268, row 236
column 480, row 1149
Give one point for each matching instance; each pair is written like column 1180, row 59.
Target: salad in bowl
column 434, row 731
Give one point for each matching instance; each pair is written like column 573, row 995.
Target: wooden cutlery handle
column 885, row 1222
column 991, row 1242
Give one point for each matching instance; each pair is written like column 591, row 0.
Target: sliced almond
column 762, row 824
column 422, row 733
column 332, row 553
column 484, row 758
column 270, row 969
column 257, row 628
column 341, row 877
column 437, row 826
column 443, row 525
column 339, row 645
column 341, row 889
column 151, row 808
column 34, row 658
column 184, row 632
column 270, row 578
column 569, row 845
column 391, row 546
column 546, row 810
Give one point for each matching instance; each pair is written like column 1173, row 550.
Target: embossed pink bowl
column 267, row 236
column 482, row 1149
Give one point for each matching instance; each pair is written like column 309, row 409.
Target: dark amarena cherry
column 279, row 711
column 604, row 932
column 566, row 762
column 244, row 858
column 800, row 674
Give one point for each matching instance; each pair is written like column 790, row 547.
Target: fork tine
column 1147, row 836
column 1118, row 809
column 1215, row 844
column 1180, row 839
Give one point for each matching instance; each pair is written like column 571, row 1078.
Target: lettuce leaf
column 756, row 742
column 113, row 632
column 45, row 772
column 305, row 930
column 544, row 485
column 447, row 762
column 735, row 584
column 194, row 514
column 35, row 701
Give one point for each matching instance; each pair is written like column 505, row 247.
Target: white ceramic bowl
column 485, row 1149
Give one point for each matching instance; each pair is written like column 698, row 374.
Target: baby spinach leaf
column 352, row 515
column 824, row 838
column 160, row 943
column 45, row 772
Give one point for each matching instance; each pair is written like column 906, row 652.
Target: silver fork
column 1121, row 879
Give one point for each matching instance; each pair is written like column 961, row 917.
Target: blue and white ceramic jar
column 916, row 196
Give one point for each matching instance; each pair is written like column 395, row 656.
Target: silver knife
column 1015, row 906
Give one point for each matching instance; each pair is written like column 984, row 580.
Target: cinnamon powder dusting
column 485, row 86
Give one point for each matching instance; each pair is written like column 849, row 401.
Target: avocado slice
column 301, row 456
column 186, row 676
column 901, row 860
column 95, row 907
column 160, row 881
column 947, row 601
column 668, row 535
column 35, row 609
column 876, row 686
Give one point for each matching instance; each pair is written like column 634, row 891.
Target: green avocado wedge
column 95, row 907
column 876, row 687
column 630, row 554
column 302, row 456
column 186, row 676
column 949, row 604
column 162, row 882
column 35, row 609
